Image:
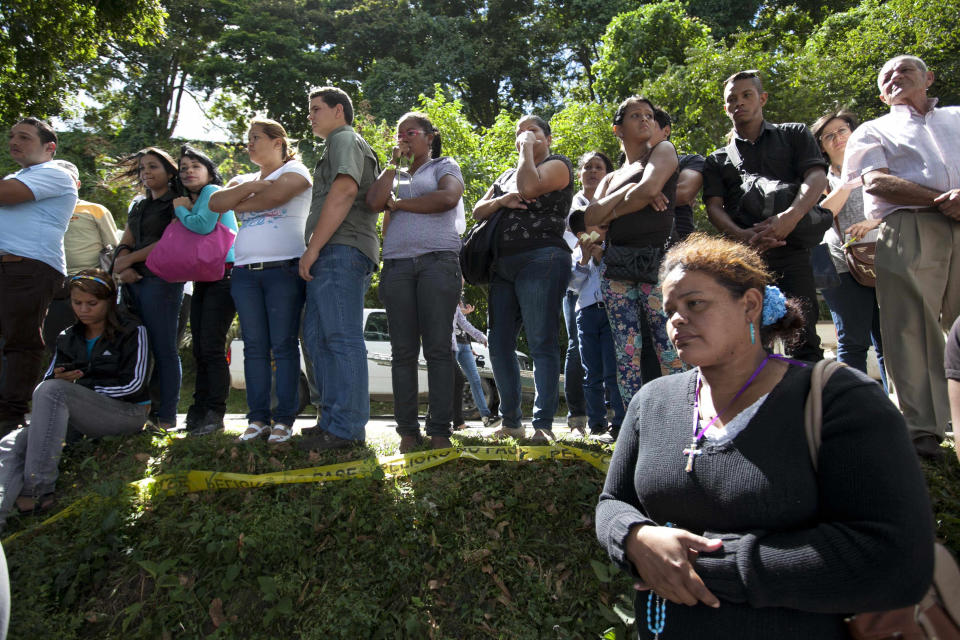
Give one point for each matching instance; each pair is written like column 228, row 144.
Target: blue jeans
column 572, row 366
column 420, row 295
column 157, row 303
column 527, row 289
column 468, row 365
column 599, row 359
column 268, row 305
column 333, row 333
column 857, row 318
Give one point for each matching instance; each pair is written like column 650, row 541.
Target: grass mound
column 463, row 550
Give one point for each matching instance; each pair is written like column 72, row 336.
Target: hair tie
column 774, row 305
column 86, row 277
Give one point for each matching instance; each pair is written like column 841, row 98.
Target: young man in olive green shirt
column 343, row 250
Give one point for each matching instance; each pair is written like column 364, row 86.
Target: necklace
column 694, row 449
column 656, row 611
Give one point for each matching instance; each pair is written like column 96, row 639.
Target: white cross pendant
column 691, row 452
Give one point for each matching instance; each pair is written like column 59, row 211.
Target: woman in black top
column 636, row 201
column 531, row 273
column 155, row 301
column 712, row 502
column 96, row 384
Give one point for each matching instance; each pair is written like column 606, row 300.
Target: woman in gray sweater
column 711, row 502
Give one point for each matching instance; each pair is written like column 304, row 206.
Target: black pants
column 211, row 313
column 420, row 295
column 26, row 289
column 459, row 382
column 794, row 276
column 59, row 317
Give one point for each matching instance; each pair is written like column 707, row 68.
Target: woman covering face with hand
column 530, row 275
column 711, row 501
column 212, row 308
column 420, row 280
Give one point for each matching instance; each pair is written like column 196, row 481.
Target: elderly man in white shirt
column 909, row 164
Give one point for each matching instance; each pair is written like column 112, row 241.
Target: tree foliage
column 47, row 45
column 642, row 44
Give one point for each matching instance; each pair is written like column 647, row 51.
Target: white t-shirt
column 274, row 234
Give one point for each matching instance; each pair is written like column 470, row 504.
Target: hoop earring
column 753, row 334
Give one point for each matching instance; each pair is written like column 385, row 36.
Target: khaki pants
column 918, row 290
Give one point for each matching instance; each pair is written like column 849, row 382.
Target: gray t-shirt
column 414, row 234
column 851, row 212
column 349, row 154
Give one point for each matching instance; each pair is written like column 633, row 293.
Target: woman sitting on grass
column 96, row 384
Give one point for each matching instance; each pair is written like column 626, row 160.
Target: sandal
column 280, row 434
column 253, row 432
column 44, row 503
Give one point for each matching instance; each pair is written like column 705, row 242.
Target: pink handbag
column 182, row 255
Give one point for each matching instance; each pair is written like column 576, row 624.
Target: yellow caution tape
column 391, row 466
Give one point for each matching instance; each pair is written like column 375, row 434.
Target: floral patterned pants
column 625, row 302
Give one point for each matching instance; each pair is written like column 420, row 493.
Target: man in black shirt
column 762, row 189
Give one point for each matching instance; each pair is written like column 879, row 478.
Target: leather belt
column 9, row 257
column 260, row 266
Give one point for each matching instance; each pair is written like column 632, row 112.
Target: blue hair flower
column 774, row 305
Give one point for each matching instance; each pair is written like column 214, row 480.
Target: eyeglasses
column 409, row 133
column 832, row 137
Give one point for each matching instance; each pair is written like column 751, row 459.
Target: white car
column 376, row 336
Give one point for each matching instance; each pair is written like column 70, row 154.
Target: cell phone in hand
column 70, row 366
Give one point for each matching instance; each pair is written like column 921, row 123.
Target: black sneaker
column 315, row 430
column 209, row 423
column 326, row 441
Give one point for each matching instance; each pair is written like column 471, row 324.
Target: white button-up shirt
column 921, row 148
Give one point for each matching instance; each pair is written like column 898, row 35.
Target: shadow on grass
column 464, row 550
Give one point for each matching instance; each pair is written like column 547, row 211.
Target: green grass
column 463, row 550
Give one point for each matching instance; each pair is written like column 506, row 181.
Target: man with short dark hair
column 762, row 189
column 343, row 250
column 35, row 207
column 909, row 164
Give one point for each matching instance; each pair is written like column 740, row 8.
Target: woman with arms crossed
column 154, row 300
column 271, row 206
column 636, row 201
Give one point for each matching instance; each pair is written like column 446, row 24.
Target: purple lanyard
column 697, row 435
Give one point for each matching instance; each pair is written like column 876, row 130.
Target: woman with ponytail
column 154, row 300
column 271, row 206
column 712, row 500
column 420, row 282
